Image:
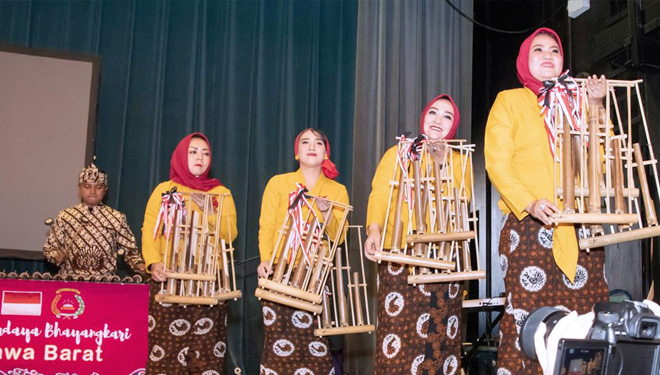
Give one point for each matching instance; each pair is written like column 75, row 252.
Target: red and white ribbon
column 560, row 97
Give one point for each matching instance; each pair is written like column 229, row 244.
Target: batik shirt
column 89, row 239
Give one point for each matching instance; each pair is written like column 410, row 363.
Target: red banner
column 65, row 327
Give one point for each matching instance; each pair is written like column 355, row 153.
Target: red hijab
column 457, row 115
column 328, row 168
column 522, row 62
column 179, row 171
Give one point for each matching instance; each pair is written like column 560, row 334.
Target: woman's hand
column 542, row 210
column 596, row 89
column 264, row 269
column 322, row 204
column 198, row 198
column 158, row 272
column 372, row 244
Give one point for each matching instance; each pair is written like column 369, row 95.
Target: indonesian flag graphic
column 21, row 303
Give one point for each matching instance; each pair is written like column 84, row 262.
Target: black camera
column 623, row 339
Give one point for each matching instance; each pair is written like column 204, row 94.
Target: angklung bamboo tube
column 568, row 173
column 593, row 163
column 439, row 212
column 439, row 218
column 398, row 224
column 651, row 218
column 318, row 267
column 308, row 247
column 281, row 262
column 419, row 212
column 357, row 300
column 617, row 178
column 341, row 299
column 326, row 315
column 171, row 283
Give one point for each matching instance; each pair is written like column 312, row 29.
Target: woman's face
column 545, row 59
column 439, row 119
column 199, row 156
column 311, row 149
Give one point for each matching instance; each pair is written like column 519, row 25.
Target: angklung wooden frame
column 301, row 268
column 199, row 265
column 613, row 172
column 439, row 249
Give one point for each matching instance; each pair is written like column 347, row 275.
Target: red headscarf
column 328, row 168
column 522, row 62
column 179, row 171
column 457, row 115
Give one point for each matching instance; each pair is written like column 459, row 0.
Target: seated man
column 86, row 238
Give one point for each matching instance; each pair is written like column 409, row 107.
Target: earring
column 297, row 157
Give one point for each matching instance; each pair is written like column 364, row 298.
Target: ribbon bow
column 558, row 97
column 298, row 200
column 171, row 202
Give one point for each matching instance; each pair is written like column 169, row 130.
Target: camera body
column 624, row 339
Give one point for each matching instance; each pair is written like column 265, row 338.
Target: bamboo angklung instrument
column 444, row 217
column 193, row 251
column 304, row 253
column 608, row 176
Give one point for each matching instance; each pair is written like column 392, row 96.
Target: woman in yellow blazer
column 289, row 342
column 418, row 326
column 190, row 339
column 540, row 263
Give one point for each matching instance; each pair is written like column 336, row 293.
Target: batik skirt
column 290, row 347
column 418, row 328
column 186, row 339
column 532, row 280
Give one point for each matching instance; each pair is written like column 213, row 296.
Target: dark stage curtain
column 249, row 74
